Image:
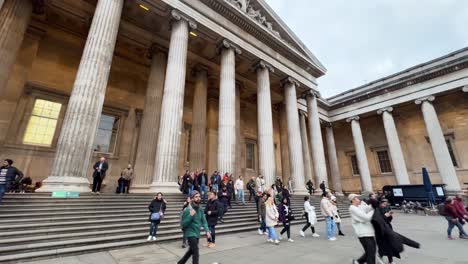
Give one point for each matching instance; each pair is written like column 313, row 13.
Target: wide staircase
column 35, row 226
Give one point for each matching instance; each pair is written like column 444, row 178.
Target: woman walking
column 157, row 209
column 311, row 217
column 285, row 217
column 337, row 217
column 454, row 218
column 271, row 220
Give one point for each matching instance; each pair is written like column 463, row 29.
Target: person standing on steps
column 231, row 191
column 203, row 183
column 193, row 218
column 361, row 215
column 285, row 217
column 251, row 187
column 100, row 169
column 211, row 211
column 291, row 185
column 279, row 183
column 127, row 175
column 310, row 187
column 323, row 187
column 157, row 210
column 326, row 208
column 310, row 216
column 240, row 190
column 337, row 217
column 8, row 175
column 271, row 219
column 224, row 199
column 260, row 184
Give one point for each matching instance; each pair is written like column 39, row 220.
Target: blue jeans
column 331, row 227
column 240, row 196
column 2, row 191
column 153, row 228
column 451, row 225
column 203, row 190
column 271, row 232
column 214, row 187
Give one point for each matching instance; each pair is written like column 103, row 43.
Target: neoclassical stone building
column 170, row 85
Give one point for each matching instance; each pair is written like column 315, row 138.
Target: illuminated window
column 42, row 123
column 106, row 137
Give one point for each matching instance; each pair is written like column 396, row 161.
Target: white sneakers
column 277, row 242
column 151, row 238
column 302, row 233
column 280, row 238
column 270, row 240
column 315, row 235
column 154, row 238
column 260, row 232
column 332, row 238
column 290, row 240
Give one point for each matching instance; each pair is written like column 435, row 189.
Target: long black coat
column 156, row 206
column 390, row 243
column 214, row 206
column 103, row 171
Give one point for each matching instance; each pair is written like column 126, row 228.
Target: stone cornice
column 419, row 101
column 263, row 65
column 353, row 118
column 386, row 109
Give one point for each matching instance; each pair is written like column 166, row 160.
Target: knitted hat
column 193, row 194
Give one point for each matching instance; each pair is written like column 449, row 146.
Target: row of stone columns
column 436, row 137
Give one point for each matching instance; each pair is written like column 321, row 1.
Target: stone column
column 318, row 153
column 396, row 154
column 296, row 160
column 148, row 139
column 212, row 133
column 266, row 145
column 14, row 20
column 305, row 147
column 333, row 160
column 171, row 123
column 74, row 148
column 198, row 137
column 360, row 148
column 227, row 108
column 439, row 146
column 285, row 168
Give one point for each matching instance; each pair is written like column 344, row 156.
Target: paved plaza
column 252, row 248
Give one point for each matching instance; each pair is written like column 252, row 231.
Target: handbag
column 155, row 216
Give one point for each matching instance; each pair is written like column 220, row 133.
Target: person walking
column 260, row 183
column 262, row 213
column 454, row 218
column 337, row 217
column 100, row 169
column 157, row 210
column 285, row 217
column 203, row 183
column 127, row 176
column 326, row 208
column 310, row 216
column 310, row 187
column 224, row 199
column 460, row 207
column 251, row 186
column 323, row 187
column 240, row 190
column 211, row 212
column 8, row 175
column 361, row 216
column 271, row 219
column 187, row 203
column 193, row 218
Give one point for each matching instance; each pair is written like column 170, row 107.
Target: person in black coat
column 230, row 189
column 390, row 243
column 9, row 177
column 100, row 169
column 156, row 207
column 186, row 183
column 323, row 187
column 203, row 184
column 223, row 197
column 212, row 209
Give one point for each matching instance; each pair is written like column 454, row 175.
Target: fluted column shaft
column 80, row 124
column 227, row 110
column 361, row 156
column 265, row 125
column 315, row 131
column 294, row 136
column 14, row 20
column 305, row 147
column 439, row 146
column 170, row 125
column 148, row 139
column 333, row 160
column 198, row 137
column 396, row 154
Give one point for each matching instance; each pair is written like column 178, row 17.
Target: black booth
column 396, row 194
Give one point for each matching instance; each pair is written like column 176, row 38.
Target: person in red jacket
column 453, row 218
column 460, row 207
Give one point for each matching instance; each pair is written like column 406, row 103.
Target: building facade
column 171, row 85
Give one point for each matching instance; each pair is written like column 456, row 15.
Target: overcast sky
column 362, row 40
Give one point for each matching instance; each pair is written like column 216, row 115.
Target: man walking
column 193, row 218
column 240, row 190
column 251, row 187
column 361, row 215
column 326, row 207
column 211, row 211
column 262, row 213
column 323, row 187
column 8, row 175
column 100, row 169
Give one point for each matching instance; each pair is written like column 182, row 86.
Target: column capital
column 328, row 124
column 421, row 100
column 154, row 49
column 227, row 44
column 465, row 89
column 303, row 113
column 198, row 68
column 386, row 109
column 353, row 118
column 311, row 93
column 176, row 15
column 289, row 80
column 261, row 64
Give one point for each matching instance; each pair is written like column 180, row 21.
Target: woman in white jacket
column 311, row 217
column 361, row 215
column 271, row 219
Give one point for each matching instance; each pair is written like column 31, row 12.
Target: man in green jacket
column 193, row 217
